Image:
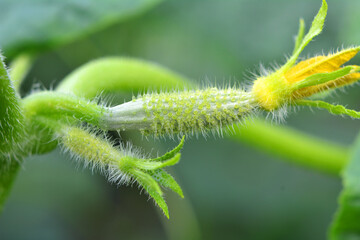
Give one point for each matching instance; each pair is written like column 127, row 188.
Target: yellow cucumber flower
column 290, row 83
column 323, row 64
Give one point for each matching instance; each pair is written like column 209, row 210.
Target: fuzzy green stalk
column 62, row 106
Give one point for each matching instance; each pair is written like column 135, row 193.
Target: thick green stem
column 294, row 146
column 59, row 106
column 109, row 75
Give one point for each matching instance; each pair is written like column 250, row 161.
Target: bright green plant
column 72, row 117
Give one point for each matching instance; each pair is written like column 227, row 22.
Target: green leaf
column 346, row 225
column 45, row 24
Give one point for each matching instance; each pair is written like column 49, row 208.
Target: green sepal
column 171, row 153
column 320, row 78
column 170, row 162
column 315, row 29
column 150, row 165
column 334, row 109
column 166, row 180
column 300, row 35
column 152, row 188
column 155, row 175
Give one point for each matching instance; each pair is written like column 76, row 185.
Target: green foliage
column 54, row 23
column 346, row 225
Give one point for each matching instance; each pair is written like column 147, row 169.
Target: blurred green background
column 232, row 191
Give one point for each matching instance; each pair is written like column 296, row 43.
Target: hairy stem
column 59, row 106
